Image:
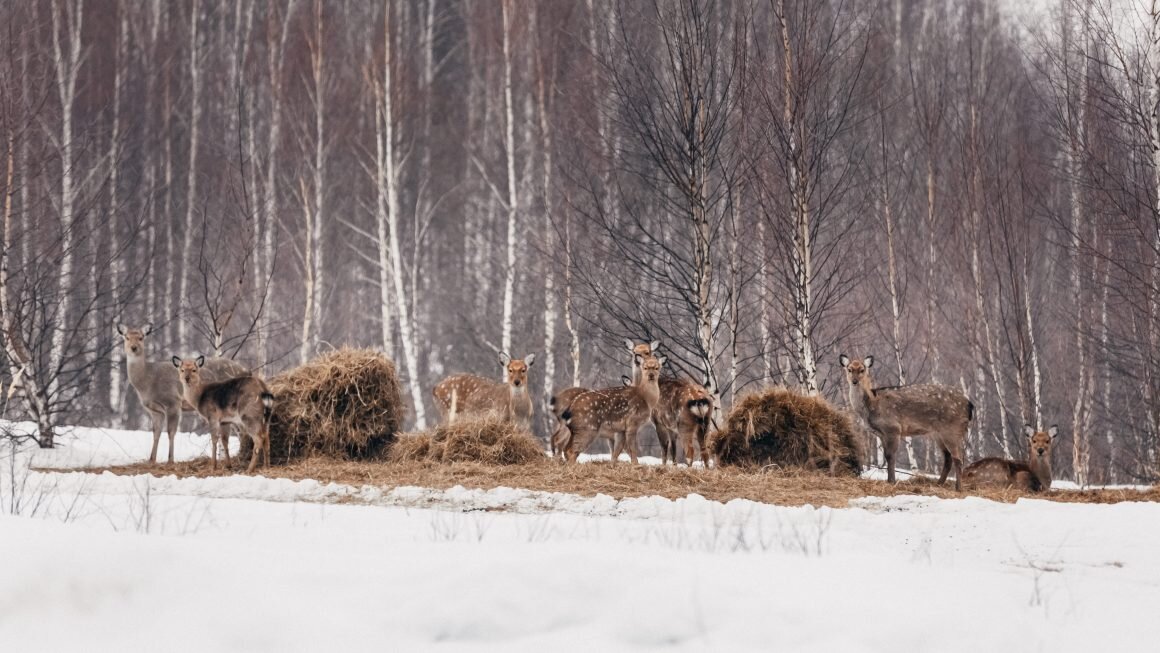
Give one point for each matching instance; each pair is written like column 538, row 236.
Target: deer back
column 918, row 408
column 238, row 397
column 474, row 394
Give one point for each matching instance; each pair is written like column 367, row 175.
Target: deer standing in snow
column 613, row 413
column 469, row 394
column 244, row 401
column 1032, row 475
column 158, row 387
column 932, row 410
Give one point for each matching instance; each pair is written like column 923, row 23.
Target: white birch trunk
column 509, row 283
column 116, row 376
column 191, row 198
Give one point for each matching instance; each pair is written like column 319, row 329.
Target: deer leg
column 213, row 439
column 946, row 469
column 617, row 446
column 889, row 447
column 224, row 433
column 255, row 452
column 631, row 440
column 155, row 418
column 957, row 458
column 174, row 424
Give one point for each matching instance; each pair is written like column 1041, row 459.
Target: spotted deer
column 560, row 403
column 467, row 394
column 1032, row 475
column 158, row 387
column 932, row 410
column 616, row 414
column 683, row 412
column 243, row 401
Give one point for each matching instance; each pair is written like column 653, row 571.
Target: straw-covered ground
column 622, row 480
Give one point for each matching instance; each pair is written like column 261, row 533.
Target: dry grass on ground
column 488, row 440
column 790, row 488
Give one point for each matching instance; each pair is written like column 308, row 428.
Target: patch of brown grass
column 622, row 480
column 487, row 440
column 781, row 427
column 345, row 404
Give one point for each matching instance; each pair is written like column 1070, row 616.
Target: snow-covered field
column 115, row 563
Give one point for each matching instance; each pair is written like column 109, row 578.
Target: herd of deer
column 226, row 394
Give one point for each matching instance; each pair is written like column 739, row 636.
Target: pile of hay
column 783, row 428
column 484, row 439
column 344, row 404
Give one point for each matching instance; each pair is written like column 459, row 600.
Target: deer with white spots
column 931, row 410
column 559, row 403
column 1032, row 475
column 616, row 414
column 683, row 412
column 467, row 394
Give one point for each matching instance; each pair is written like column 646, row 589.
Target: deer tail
column 267, row 406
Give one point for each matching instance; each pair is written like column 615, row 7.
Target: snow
column 135, row 563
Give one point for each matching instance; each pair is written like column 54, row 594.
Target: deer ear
column 662, row 360
column 844, row 360
column 1053, row 431
column 148, row 328
column 504, row 359
column 868, row 361
column 176, row 361
column 628, row 345
column 121, row 329
column 625, row 381
column 1028, row 430
column 654, row 345
column 200, row 361
column 637, row 359
column 530, row 360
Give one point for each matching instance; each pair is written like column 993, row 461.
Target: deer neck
column 650, row 390
column 135, row 365
column 190, row 393
column 862, row 395
column 1041, row 469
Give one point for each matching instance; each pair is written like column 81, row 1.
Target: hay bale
column 343, row 404
column 781, row 427
column 483, row 439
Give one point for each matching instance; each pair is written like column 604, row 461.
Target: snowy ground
column 111, row 563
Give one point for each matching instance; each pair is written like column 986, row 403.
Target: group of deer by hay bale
column 348, row 403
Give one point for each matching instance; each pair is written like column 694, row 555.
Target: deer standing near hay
column 464, row 394
column 683, row 412
column 613, row 413
column 158, row 387
column 560, row 403
column 932, row 410
column 1032, row 475
column 244, row 401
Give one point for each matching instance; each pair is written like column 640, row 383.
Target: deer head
column 650, row 367
column 517, row 370
column 134, row 338
column 189, row 370
column 856, row 369
column 1040, row 441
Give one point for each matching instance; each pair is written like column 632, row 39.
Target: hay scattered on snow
column 484, row 439
column 343, row 404
column 781, row 427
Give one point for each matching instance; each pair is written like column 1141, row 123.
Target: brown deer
column 158, row 387
column 560, row 403
column 683, row 412
column 244, row 401
column 1032, row 475
column 469, row 394
column 613, row 413
column 930, row 410
column 683, row 415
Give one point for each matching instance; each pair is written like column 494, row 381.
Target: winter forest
column 968, row 190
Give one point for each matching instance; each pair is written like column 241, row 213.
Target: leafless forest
column 971, row 196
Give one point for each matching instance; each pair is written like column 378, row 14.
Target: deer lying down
column 159, row 390
column 613, row 413
column 244, row 401
column 1033, row 475
column 467, row 394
